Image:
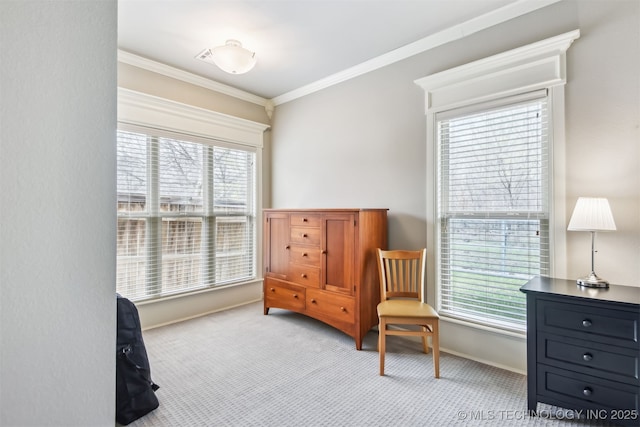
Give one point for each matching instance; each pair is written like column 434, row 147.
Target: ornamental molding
column 141, row 109
column 531, row 67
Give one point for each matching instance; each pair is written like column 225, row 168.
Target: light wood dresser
column 322, row 263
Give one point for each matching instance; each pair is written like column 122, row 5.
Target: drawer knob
column 304, row 254
column 324, row 251
column 304, row 220
column 304, row 235
column 588, row 391
column 295, row 295
column 343, row 309
column 286, row 247
column 587, row 357
column 272, row 289
column 586, row 323
column 304, row 276
column 313, row 300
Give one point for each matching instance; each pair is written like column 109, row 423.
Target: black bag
column 135, row 391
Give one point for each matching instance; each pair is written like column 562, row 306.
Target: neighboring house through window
column 494, row 129
column 186, row 199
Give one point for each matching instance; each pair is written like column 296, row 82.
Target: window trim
column 137, row 108
column 171, row 119
column 540, row 65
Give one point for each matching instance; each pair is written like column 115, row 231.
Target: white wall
column 362, row 144
column 57, row 218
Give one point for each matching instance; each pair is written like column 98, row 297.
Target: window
column 493, row 208
column 496, row 182
column 186, row 214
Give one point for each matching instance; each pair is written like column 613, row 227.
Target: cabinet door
column 338, row 252
column 276, row 245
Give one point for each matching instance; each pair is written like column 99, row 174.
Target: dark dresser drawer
column 606, row 361
column 594, row 323
column 583, row 349
column 582, row 391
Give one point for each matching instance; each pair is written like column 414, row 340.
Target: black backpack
column 135, row 391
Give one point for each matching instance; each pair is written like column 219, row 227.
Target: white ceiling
column 297, row 42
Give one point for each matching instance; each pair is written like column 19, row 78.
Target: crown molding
column 457, row 32
column 175, row 73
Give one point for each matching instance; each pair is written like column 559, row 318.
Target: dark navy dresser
column 583, row 349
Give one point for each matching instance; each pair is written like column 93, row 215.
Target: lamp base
column 592, row 281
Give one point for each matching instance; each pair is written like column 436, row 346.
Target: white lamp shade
column 233, row 58
column 592, row 214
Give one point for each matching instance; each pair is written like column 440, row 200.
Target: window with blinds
column 186, row 215
column 493, row 208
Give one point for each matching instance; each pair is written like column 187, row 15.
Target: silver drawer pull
column 587, row 391
column 586, row 323
column 587, row 357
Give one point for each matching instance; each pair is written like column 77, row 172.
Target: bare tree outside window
column 493, row 210
column 186, row 218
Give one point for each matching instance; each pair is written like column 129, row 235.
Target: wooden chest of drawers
column 583, row 349
column 322, row 263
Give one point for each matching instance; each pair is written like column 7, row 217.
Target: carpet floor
column 241, row 368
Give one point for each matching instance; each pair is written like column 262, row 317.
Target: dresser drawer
column 283, row 295
column 304, row 275
column 616, row 327
column 306, row 220
column 304, row 255
column 584, row 391
column 617, row 363
column 326, row 304
column 307, row 236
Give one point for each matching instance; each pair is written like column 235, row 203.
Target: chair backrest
column 401, row 273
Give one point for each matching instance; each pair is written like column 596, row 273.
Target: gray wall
column 362, row 144
column 57, row 222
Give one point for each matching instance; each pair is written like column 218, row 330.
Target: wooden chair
column 401, row 289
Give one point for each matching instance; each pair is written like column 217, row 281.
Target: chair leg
column 382, row 327
column 435, row 343
column 425, row 343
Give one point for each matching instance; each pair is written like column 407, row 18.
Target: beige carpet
column 241, row 368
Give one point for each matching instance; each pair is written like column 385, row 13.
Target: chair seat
column 405, row 308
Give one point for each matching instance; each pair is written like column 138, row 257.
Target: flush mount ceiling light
column 232, row 57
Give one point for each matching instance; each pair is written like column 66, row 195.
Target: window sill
column 189, row 293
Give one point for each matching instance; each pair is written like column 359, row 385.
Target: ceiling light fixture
column 232, row 57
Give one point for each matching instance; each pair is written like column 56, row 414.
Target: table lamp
column 592, row 214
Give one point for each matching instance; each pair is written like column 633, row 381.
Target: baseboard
column 484, row 362
column 468, row 356
column 195, row 316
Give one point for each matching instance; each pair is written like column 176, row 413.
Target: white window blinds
column 186, row 215
column 493, row 208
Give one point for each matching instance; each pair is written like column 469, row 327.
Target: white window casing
column 503, row 78
column 185, row 221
